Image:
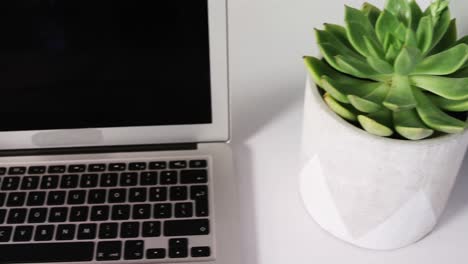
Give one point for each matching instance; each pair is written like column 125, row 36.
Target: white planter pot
column 374, row 192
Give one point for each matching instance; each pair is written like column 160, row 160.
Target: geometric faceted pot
column 374, row 192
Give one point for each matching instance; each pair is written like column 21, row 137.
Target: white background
column 267, row 41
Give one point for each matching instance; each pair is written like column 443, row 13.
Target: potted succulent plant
column 384, row 125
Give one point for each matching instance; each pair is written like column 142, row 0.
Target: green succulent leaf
column 444, row 63
column 440, row 29
column 409, row 125
column 407, row 60
column 435, row 118
column 358, row 28
column 338, row 32
column 380, row 65
column 400, row 97
column 385, row 25
column 363, row 105
column 378, row 123
column 371, row 11
column 416, row 14
column 400, row 9
column 425, row 34
column 378, row 94
column 462, row 40
column 462, row 73
column 449, row 88
column 448, row 40
column 449, row 105
column 339, row 109
column 333, row 46
column 358, row 68
column 392, row 53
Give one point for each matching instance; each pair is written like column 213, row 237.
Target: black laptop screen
column 103, row 63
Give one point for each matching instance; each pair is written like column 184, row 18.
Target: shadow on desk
column 249, row 115
column 458, row 201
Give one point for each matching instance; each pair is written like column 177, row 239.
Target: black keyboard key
column 120, row 212
column 107, row 251
column 108, row 230
column 2, row 199
column 199, row 192
column 69, row 181
column 117, row 196
column 97, row 167
column 141, row 211
column 137, row 166
column 3, row 170
column 89, row 180
column 56, row 198
column 97, row 196
column 193, row 176
column 151, row 229
column 201, row 208
column 37, row 215
column 156, row 253
column 168, row 177
column 178, row 164
column 178, row 248
column 129, row 229
column 37, row 170
column 200, row 252
column 137, row 195
column 56, row 169
column 100, row 213
column 183, row 210
column 178, row 193
column 58, row 214
column 17, row 216
column 3, row 213
column 65, row 232
column 76, row 168
column 117, row 167
column 76, row 197
column 128, row 179
column 197, row 164
column 44, row 233
column 178, row 242
column 79, row 214
column 134, row 249
column 10, row 183
column 30, row 183
column 158, row 194
column 36, row 198
column 47, row 252
column 23, row 233
column 5, row 234
column 158, row 165
column 16, row 199
column 17, row 171
column 109, row 179
column 162, row 210
column 148, row 178
column 87, row 231
column 49, row 182
column 194, row 227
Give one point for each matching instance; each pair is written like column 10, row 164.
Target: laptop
column 114, row 124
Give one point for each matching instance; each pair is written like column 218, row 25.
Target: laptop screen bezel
column 217, row 131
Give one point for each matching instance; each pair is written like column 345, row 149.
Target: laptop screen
column 103, row 63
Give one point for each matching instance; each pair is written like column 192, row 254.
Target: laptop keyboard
column 130, row 211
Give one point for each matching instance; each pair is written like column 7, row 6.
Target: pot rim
column 362, row 133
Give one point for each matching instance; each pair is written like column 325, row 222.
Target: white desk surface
column 267, row 40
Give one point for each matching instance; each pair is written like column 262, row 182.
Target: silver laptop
column 113, row 132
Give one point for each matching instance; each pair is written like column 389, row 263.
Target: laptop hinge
column 97, row 150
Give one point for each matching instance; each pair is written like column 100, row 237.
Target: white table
column 267, row 40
